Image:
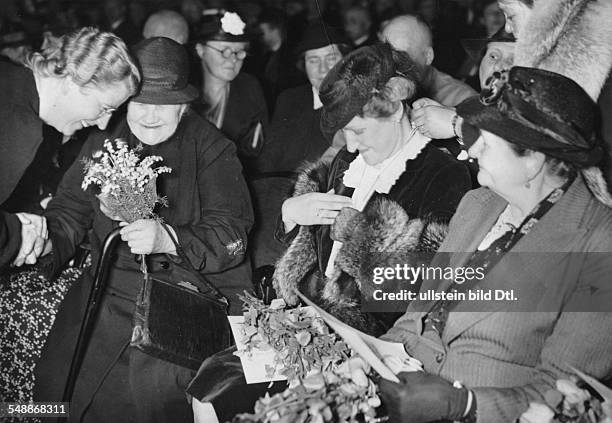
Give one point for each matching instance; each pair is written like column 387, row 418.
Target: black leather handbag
column 182, row 320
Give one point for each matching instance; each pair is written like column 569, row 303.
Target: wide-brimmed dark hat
column 476, row 47
column 538, row 110
column 353, row 81
column 222, row 26
column 164, row 64
column 318, row 34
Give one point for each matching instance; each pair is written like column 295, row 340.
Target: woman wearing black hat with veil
column 209, row 214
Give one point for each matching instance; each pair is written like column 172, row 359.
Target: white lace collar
column 387, row 172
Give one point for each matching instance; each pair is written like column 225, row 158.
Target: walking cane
column 93, row 305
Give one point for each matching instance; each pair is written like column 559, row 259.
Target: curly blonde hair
column 89, row 57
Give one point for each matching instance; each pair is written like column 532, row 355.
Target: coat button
column 439, row 357
column 165, row 265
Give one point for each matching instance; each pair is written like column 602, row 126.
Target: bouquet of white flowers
column 127, row 182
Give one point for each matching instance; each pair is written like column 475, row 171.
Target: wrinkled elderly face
column 376, row 139
column 517, row 13
column 499, row 167
column 215, row 62
column 154, row 123
column 499, row 57
column 319, row 61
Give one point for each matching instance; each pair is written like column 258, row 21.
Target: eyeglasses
column 228, row 52
column 106, row 111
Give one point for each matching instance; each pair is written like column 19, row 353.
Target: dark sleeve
column 445, row 190
column 10, row 237
column 218, row 240
column 70, row 213
column 21, row 136
column 273, row 149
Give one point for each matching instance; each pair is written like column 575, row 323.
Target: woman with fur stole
column 385, row 197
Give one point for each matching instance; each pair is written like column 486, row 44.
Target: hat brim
column 227, row 37
column 154, row 95
column 490, row 119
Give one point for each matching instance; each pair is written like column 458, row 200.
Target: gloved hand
column 422, row 397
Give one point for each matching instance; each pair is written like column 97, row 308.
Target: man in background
column 411, row 34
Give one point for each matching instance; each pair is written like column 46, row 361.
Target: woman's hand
column 34, row 236
column 315, row 208
column 147, row 236
column 432, row 119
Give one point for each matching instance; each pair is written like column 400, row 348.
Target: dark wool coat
column 20, row 136
column 246, row 106
column 411, row 218
column 209, row 208
column 295, row 135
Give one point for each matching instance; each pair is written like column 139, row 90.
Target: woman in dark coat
column 383, row 198
column 209, row 213
column 231, row 100
column 295, row 136
column 67, row 86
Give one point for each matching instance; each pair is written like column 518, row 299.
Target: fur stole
column 570, row 37
column 381, row 236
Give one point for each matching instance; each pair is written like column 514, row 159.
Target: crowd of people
column 464, row 134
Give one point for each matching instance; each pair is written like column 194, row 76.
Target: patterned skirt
column 28, row 304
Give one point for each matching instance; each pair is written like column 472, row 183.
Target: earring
column 528, row 184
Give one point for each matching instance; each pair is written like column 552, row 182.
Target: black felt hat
column 318, row 34
column 222, row 26
column 353, row 81
column 165, row 72
column 539, row 110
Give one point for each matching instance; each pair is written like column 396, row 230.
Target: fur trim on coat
column 569, row 37
column 381, row 236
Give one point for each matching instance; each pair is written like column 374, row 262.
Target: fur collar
column 383, row 226
column 569, row 37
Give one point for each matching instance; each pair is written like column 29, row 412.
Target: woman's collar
column 388, row 171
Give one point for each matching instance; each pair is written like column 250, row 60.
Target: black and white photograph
column 306, row 211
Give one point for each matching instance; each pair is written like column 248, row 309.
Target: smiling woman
column 69, row 85
column 208, row 213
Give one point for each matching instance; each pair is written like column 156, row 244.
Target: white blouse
column 367, row 179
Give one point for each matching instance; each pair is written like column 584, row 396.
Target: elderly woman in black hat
column 208, row 213
column 231, row 100
column 539, row 227
column 295, row 136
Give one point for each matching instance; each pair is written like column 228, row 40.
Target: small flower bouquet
column 127, row 182
column 301, row 341
column 340, row 395
column 569, row 402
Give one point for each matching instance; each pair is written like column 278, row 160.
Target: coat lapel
column 557, row 232
column 467, row 228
